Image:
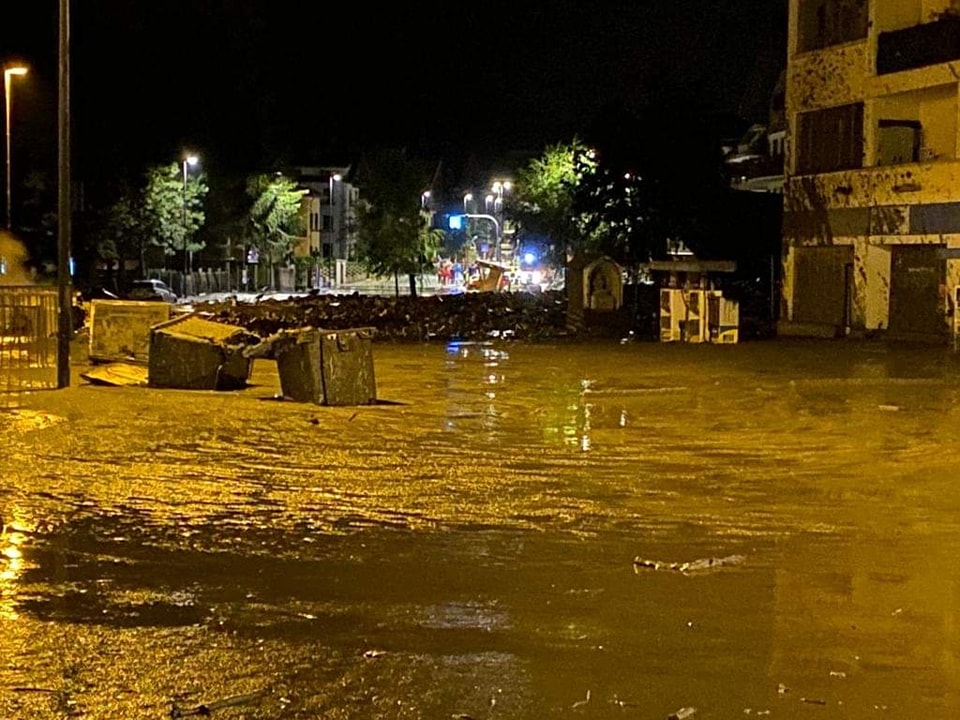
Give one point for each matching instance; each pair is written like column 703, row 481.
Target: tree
column 274, row 216
column 544, row 195
column 620, row 210
column 394, row 235
column 228, row 228
column 38, row 217
column 658, row 182
column 116, row 232
column 173, row 209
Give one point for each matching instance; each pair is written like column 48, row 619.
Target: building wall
column 332, row 201
column 864, row 205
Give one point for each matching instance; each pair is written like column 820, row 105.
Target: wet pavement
column 518, row 531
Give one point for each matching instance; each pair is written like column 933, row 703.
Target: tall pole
column 8, row 102
column 64, row 320
column 188, row 160
column 499, row 187
column 8, row 74
column 491, row 218
column 334, row 211
column 183, row 220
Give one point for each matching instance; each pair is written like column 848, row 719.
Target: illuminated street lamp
column 499, row 187
column 335, row 252
column 189, row 161
column 467, row 199
column 8, row 74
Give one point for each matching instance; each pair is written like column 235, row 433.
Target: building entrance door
column 916, row 308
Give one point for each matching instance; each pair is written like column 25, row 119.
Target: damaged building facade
column 872, row 191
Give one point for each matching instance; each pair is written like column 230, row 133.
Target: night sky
column 258, row 84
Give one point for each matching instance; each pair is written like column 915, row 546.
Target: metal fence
column 28, row 341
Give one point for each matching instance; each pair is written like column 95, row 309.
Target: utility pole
column 64, row 316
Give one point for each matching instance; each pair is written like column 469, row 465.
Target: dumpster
column 120, row 329
column 326, row 367
column 193, row 353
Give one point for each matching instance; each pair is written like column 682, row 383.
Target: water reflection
column 12, row 568
column 474, row 378
column 469, row 550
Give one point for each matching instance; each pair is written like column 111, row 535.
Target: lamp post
column 8, row 75
column 499, row 187
column 188, row 162
column 334, row 178
column 467, row 198
column 491, row 218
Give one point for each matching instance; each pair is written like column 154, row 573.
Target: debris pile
column 466, row 316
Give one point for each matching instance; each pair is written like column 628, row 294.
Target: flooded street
column 514, row 531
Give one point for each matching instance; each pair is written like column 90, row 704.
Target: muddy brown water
column 515, row 531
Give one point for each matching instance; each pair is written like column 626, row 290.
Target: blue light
column 455, row 222
column 529, row 258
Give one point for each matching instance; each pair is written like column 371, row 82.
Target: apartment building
column 872, row 189
column 755, row 163
column 329, row 209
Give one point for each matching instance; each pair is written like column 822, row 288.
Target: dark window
column 927, row 44
column 898, row 142
column 829, row 140
column 823, row 23
column 327, row 222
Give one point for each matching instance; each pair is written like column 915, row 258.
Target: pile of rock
column 466, row 316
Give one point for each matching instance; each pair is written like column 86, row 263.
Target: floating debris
column 693, row 566
column 581, row 703
column 682, row 714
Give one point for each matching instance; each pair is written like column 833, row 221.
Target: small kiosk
column 691, row 308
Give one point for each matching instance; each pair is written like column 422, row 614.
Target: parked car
column 152, row 289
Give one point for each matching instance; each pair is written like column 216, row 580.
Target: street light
column 468, row 198
column 335, row 178
column 499, row 187
column 491, row 218
column 8, row 74
column 189, row 161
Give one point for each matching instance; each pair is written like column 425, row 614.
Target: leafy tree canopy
column 274, row 216
column 394, row 234
column 544, row 194
column 173, row 208
column 659, row 182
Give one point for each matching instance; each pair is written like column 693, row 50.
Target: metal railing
column 28, row 341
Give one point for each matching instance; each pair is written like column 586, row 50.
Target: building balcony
column 931, row 43
column 756, row 172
